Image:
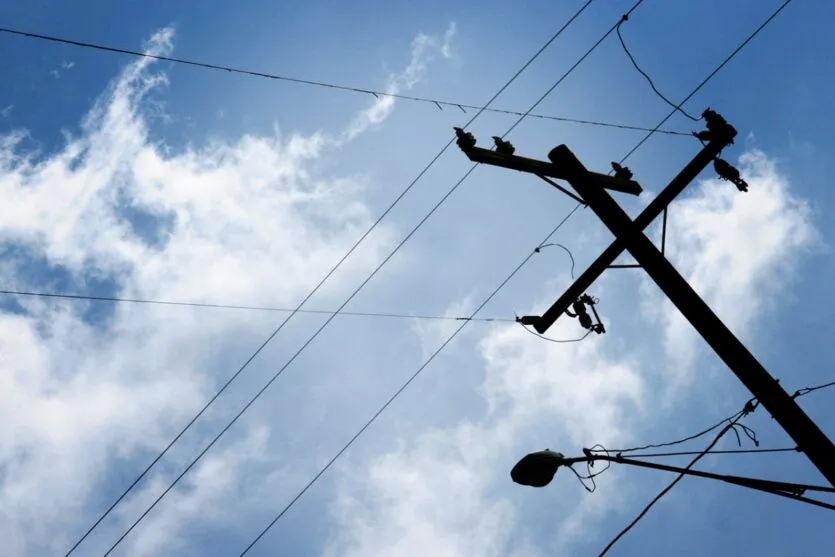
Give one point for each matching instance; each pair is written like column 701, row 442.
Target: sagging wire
column 524, row 325
column 749, row 407
column 648, row 78
column 568, row 251
column 590, row 475
column 558, row 341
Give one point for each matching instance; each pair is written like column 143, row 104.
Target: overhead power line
column 463, row 107
column 244, row 307
column 457, row 331
column 731, row 425
column 402, row 388
column 315, row 289
column 353, row 294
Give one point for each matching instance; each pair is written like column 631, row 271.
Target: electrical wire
column 649, row 79
column 672, row 484
column 732, row 451
column 399, row 391
column 376, row 94
column 568, row 251
column 748, row 431
column 455, row 333
column 558, row 341
column 806, row 390
column 729, row 419
column 330, row 318
column 252, row 308
column 709, row 77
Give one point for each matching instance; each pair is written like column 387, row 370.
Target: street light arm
column 754, row 483
column 538, row 469
column 783, row 489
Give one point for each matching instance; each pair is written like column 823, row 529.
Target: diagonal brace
column 809, row 438
column 677, row 185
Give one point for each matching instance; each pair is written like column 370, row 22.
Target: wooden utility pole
column 629, row 236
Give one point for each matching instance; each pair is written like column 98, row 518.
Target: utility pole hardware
column 590, row 188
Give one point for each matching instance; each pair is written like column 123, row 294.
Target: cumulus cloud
column 748, row 246
column 246, row 220
column 448, row 492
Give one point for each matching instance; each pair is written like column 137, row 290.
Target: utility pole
column 629, row 236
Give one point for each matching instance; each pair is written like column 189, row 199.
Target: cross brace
column 629, row 235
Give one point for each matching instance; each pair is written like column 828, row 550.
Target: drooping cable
column 568, row 251
column 330, row 318
column 556, row 340
column 710, row 76
column 377, row 94
column 672, row 484
column 749, row 433
column 730, row 419
column 649, row 79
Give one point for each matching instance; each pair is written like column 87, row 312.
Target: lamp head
column 537, row 469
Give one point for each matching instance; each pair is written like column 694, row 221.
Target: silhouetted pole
column 564, row 165
column 649, row 214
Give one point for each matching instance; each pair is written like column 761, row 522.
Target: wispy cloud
column 56, row 73
column 237, row 220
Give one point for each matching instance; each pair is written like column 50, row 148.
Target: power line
column 732, row 451
column 729, row 419
column 649, row 79
column 565, row 249
column 558, row 341
column 799, row 393
column 709, row 77
column 252, row 308
column 399, row 391
column 806, row 390
column 455, row 333
column 330, row 318
column 672, row 484
column 377, row 94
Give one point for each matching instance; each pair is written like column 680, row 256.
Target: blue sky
column 163, row 181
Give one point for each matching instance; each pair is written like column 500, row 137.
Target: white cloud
column 424, row 49
column 7, row 112
column 748, row 246
column 56, row 73
column 447, row 492
column 246, row 220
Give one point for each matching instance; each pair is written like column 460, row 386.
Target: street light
column 539, row 468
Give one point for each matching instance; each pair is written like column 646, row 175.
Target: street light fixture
column 539, row 468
